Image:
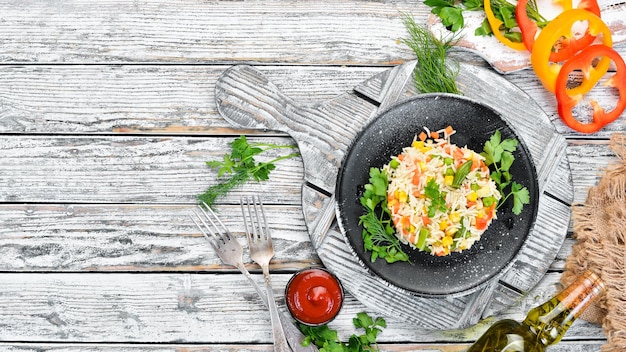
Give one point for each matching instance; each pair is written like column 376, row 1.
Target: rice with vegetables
column 440, row 196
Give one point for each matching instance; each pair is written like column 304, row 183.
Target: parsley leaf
column 437, row 199
column 451, row 15
column 498, row 154
column 328, row 341
column 241, row 167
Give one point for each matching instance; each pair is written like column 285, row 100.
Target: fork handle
column 292, row 333
column 280, row 341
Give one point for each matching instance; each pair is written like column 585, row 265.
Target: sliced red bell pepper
column 495, row 24
column 569, row 45
column 559, row 27
column 567, row 101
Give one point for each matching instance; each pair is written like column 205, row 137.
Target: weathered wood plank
column 143, row 238
column 144, row 99
column 565, row 346
column 124, row 169
column 193, row 31
column 179, row 99
column 146, row 238
column 150, row 238
column 83, row 169
column 194, row 308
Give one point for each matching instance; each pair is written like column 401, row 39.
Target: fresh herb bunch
column 328, row 341
column 241, row 167
column 451, row 14
column 498, row 154
column 433, row 72
column 378, row 233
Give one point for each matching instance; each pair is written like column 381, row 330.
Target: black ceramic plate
column 395, row 129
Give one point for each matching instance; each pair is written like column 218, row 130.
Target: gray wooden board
column 323, row 132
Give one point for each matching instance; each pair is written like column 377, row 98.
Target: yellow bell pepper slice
column 495, row 24
column 561, row 26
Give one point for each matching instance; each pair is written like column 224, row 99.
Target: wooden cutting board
column 324, row 133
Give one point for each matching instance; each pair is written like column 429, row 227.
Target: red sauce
column 314, row 296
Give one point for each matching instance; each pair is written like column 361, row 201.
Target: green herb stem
column 241, row 167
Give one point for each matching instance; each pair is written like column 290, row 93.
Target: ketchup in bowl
column 314, row 296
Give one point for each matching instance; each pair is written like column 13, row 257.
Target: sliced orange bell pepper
column 495, row 24
column 560, row 27
column 567, row 100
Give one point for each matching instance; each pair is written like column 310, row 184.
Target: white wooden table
column 107, row 116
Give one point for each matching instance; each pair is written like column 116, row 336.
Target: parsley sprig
column 328, row 341
column 378, row 232
column 451, row 14
column 239, row 166
column 498, row 154
column 437, row 198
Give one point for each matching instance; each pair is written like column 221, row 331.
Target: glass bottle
column 544, row 325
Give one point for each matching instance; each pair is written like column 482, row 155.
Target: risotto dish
column 440, row 196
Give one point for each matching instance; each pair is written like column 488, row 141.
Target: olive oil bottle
column 544, row 325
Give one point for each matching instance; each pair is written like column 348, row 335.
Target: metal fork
column 231, row 253
column 262, row 252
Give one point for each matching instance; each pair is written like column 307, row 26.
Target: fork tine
column 204, row 228
column 245, row 218
column 263, row 226
column 214, row 219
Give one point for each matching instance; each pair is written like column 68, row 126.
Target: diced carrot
column 490, row 211
column 458, row 153
column 481, row 223
column 425, row 220
column 400, row 157
column 416, row 178
column 396, row 207
column 449, row 130
column 406, row 223
column 422, row 136
column 471, row 203
column 434, row 135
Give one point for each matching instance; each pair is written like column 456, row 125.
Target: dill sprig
column 433, row 72
column 241, row 167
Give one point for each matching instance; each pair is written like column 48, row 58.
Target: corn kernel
column 447, row 180
column 480, row 214
column 402, row 196
column 447, row 241
column 451, row 231
column 483, row 191
column 472, row 196
column 443, row 225
column 422, row 166
column 418, row 144
column 455, row 217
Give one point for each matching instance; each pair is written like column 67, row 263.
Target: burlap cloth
column 600, row 233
